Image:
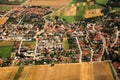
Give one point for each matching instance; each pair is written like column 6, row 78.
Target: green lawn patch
column 65, row 42
column 11, row 2
column 5, row 51
column 68, row 18
column 102, row 2
column 18, row 73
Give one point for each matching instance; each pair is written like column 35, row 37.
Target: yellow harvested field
column 72, row 71
column 71, row 11
column 8, row 73
column 93, row 13
column 3, row 20
column 24, row 73
column 46, row 2
column 6, row 43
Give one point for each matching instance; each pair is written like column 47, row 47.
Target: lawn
column 5, row 51
column 11, row 3
column 68, row 18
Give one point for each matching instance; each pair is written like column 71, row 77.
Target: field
column 8, row 73
column 11, row 3
column 5, row 51
column 6, row 48
column 29, row 43
column 6, row 43
column 51, row 3
column 3, row 20
column 101, row 2
column 65, row 42
column 4, row 8
column 77, row 10
column 78, row 71
column 68, row 18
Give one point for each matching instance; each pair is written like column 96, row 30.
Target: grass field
column 11, row 3
column 5, row 8
column 6, row 48
column 102, row 2
column 29, row 43
column 68, row 18
column 65, row 42
column 5, row 51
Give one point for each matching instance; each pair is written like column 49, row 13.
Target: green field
column 5, row 51
column 102, row 2
column 5, row 8
column 11, row 3
column 68, row 18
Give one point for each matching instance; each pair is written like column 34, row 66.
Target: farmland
column 3, row 20
column 65, row 42
column 77, row 11
column 8, row 73
column 6, row 48
column 79, row 71
column 5, row 51
column 51, row 3
column 29, row 43
column 11, row 2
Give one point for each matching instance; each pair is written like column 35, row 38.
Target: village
column 33, row 39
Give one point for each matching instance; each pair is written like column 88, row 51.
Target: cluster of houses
column 23, row 23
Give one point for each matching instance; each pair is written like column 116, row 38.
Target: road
column 80, row 58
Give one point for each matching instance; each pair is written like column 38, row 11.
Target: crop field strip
column 46, row 2
column 73, row 71
column 8, row 73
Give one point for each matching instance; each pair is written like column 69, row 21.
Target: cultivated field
column 29, row 43
column 71, row 11
column 51, row 3
column 6, row 43
column 8, row 73
column 6, row 48
column 77, row 71
column 3, row 20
